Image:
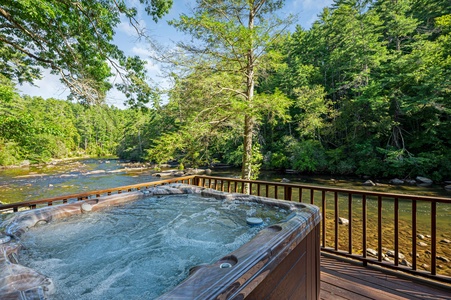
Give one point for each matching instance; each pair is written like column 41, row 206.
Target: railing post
column 379, row 228
column 414, row 234
column 350, row 223
column 336, row 219
column 364, row 215
column 287, row 193
column 323, row 225
column 396, row 237
column 434, row 238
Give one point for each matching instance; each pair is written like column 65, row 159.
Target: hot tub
column 280, row 262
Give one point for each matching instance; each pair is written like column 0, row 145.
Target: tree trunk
column 248, row 118
column 247, row 147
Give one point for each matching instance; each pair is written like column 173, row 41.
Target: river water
column 77, row 176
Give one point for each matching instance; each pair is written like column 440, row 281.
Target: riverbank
column 54, row 172
column 55, row 161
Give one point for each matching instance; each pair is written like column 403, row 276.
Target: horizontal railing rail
column 396, row 231
column 14, row 207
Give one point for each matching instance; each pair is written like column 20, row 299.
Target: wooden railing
column 14, row 207
column 357, row 224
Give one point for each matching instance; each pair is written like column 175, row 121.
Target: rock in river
column 396, row 181
column 343, row 221
column 423, row 181
column 368, row 183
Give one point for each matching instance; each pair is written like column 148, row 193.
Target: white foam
column 140, row 250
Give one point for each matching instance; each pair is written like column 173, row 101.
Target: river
column 77, row 176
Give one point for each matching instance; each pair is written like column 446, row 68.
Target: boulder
column 422, row 244
column 421, row 237
column 371, row 252
column 368, row 183
column 445, row 241
column 164, row 174
column 410, row 181
column 284, row 180
column 442, row 258
column 343, row 221
column 448, row 187
column 391, row 253
column 423, row 181
column 191, row 171
column 404, row 262
column 386, row 258
column 396, row 181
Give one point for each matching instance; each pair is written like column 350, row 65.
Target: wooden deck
column 345, row 280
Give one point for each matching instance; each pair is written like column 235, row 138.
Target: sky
column 50, row 87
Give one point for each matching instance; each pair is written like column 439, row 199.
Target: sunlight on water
column 140, row 250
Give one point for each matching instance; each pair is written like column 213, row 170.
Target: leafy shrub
column 308, row 156
column 9, row 153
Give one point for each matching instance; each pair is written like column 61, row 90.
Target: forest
column 365, row 91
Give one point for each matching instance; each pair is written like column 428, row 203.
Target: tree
column 74, row 40
column 234, row 38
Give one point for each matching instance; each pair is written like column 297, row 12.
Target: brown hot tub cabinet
column 281, row 262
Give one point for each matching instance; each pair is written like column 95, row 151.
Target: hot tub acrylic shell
column 281, row 262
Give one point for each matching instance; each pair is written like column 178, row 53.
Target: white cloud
column 142, row 51
column 146, row 54
column 49, row 86
column 128, row 29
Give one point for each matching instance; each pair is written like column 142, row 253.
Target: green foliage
column 235, row 158
column 371, row 91
column 365, row 91
column 234, row 39
column 39, row 130
column 9, row 153
column 308, row 156
column 73, row 39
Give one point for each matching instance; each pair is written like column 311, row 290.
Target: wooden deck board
column 345, row 280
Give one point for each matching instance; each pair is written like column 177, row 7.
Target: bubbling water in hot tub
column 141, row 249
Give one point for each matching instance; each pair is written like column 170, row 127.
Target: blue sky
column 49, row 86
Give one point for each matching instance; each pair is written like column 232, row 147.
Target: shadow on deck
column 342, row 279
